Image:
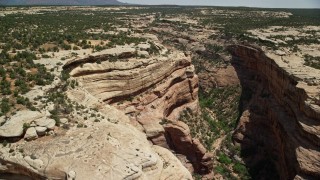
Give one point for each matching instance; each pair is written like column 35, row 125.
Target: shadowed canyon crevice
column 279, row 127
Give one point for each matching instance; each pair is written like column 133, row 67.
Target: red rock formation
column 279, row 130
column 178, row 135
column 148, row 91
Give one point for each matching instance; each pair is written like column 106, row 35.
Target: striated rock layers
column 111, row 148
column 279, row 130
column 152, row 92
column 138, row 102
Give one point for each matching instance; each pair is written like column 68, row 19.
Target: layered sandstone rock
column 147, row 90
column 179, row 138
column 280, row 128
column 107, row 150
column 133, row 95
column 111, row 148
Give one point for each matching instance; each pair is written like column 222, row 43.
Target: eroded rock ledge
column 279, row 129
column 152, row 92
column 138, row 101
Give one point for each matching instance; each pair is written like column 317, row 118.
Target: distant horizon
column 279, row 4
column 129, row 4
column 267, row 4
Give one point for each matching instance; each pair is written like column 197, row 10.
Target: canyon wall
column 152, row 92
column 279, row 129
column 123, row 123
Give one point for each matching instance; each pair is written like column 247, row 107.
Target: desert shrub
column 153, row 49
column 5, row 105
column 239, row 168
column 224, row 159
column 64, row 76
column 312, row 61
column 5, row 87
column 45, row 56
column 76, row 48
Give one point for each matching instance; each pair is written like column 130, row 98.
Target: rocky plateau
column 160, row 94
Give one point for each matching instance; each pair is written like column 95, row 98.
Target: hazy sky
column 249, row 3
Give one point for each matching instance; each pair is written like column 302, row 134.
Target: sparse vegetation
column 26, row 40
column 312, row 61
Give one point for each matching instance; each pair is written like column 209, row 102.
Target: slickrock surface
column 282, row 112
column 116, row 151
column 111, row 148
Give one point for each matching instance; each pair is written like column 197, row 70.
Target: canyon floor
column 159, row 92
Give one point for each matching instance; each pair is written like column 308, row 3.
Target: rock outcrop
column 110, row 148
column 148, row 90
column 116, row 151
column 13, row 127
column 279, row 130
column 178, row 135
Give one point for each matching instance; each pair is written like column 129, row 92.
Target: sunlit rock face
column 152, row 92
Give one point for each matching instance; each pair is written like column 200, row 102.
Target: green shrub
column 5, row 105
column 5, row 87
column 312, row 61
column 26, row 126
column 76, row 48
column 221, row 170
column 45, row 56
column 64, row 76
column 224, row 159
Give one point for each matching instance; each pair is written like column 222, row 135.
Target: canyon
column 158, row 93
column 152, row 93
column 140, row 100
column 279, row 126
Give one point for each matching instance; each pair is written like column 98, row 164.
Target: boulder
column 64, row 120
column 190, row 71
column 143, row 54
column 46, row 122
column 288, row 39
column 14, row 126
column 31, row 134
column 41, row 130
column 71, row 175
column 280, row 53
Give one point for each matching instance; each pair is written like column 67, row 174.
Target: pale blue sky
column 249, row 3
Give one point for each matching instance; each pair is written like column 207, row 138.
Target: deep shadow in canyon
column 267, row 129
column 257, row 152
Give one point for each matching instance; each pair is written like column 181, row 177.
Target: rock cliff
column 279, row 129
column 152, row 92
column 90, row 150
column 124, row 123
